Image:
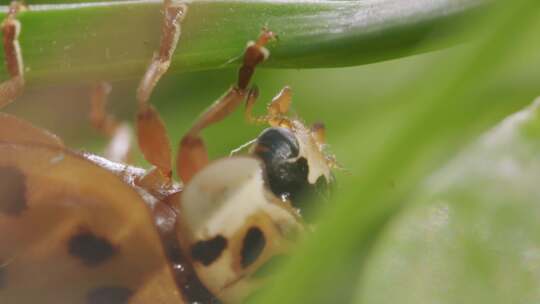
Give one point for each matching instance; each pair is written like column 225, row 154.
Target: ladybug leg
column 253, row 94
column 120, row 134
column 277, row 109
column 280, row 104
column 11, row 27
column 151, row 133
column 14, row 129
column 192, row 155
column 318, row 131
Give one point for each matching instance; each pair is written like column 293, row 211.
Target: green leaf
column 437, row 113
column 88, row 40
column 474, row 234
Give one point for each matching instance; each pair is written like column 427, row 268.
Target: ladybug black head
column 286, row 170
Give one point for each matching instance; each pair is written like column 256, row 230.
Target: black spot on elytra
column 12, row 191
column 109, row 295
column 253, row 246
column 90, row 249
column 208, row 251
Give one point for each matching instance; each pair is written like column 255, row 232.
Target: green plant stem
column 88, row 40
column 440, row 113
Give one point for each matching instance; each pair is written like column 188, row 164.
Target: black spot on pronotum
column 109, row 295
column 92, row 250
column 193, row 291
column 12, row 191
column 253, row 246
column 208, row 251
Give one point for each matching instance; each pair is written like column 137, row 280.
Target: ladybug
column 76, row 227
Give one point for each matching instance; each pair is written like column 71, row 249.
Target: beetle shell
column 58, row 226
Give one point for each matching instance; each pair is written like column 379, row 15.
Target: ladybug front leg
column 120, row 134
column 11, row 27
column 277, row 109
column 318, row 131
column 192, row 155
column 151, row 133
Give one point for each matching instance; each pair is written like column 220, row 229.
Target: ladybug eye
column 277, row 148
column 277, row 144
column 286, row 172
